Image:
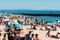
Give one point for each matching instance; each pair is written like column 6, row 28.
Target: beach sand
column 42, row 34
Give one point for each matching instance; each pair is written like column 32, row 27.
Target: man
column 28, row 35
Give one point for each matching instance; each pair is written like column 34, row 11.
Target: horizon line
column 28, row 9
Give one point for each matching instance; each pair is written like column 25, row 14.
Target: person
column 48, row 33
column 36, row 21
column 4, row 38
column 0, row 22
column 25, row 37
column 36, row 37
column 18, row 36
column 0, row 36
column 32, row 37
column 10, row 37
column 55, row 29
column 58, row 35
column 31, row 25
column 46, row 28
column 34, row 27
column 15, row 37
column 28, row 35
column 52, row 26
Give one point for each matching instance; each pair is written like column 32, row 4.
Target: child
column 36, row 37
column 32, row 37
column 4, row 38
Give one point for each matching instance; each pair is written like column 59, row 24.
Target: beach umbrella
column 11, row 23
column 18, row 26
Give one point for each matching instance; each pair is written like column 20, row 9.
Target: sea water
column 47, row 18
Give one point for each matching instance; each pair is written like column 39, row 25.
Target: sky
column 30, row 4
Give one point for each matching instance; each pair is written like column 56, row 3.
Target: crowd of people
column 13, row 25
column 14, row 36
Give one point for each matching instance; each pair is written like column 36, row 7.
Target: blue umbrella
column 12, row 22
column 18, row 25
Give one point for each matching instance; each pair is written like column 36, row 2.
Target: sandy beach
column 26, row 25
column 42, row 34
